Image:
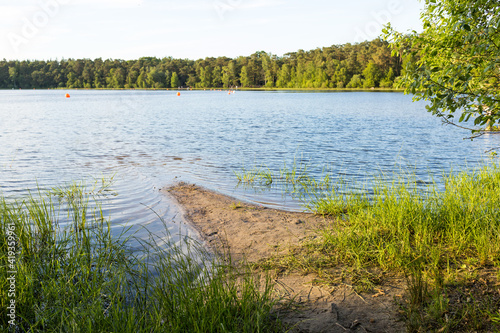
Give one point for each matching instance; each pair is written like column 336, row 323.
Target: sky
column 191, row 29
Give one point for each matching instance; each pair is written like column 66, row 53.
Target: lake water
column 146, row 140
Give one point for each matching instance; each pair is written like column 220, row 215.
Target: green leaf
column 461, row 118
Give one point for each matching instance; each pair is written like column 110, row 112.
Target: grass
column 68, row 273
column 287, row 177
column 445, row 241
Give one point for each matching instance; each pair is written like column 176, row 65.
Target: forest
column 362, row 65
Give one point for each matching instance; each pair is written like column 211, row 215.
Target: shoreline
column 249, row 231
column 252, row 233
column 398, row 90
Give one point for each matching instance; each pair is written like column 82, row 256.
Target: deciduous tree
column 174, row 81
column 455, row 61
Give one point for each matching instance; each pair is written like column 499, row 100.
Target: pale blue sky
column 129, row 29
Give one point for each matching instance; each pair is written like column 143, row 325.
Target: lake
column 146, row 140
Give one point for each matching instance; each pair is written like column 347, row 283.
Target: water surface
column 146, row 140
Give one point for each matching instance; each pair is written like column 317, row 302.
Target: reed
column 257, row 175
column 399, row 218
column 71, row 274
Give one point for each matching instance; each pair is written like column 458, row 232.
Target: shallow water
column 146, row 140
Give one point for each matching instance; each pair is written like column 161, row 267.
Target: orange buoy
column 178, row 93
column 67, row 96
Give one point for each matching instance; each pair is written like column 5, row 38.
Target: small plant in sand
column 236, row 205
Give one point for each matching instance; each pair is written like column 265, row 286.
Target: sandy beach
column 254, row 233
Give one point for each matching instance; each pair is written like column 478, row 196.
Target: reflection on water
column 149, row 139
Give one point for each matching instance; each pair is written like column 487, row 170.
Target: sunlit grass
column 437, row 236
column 78, row 277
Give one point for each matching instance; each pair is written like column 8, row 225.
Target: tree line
column 361, row 65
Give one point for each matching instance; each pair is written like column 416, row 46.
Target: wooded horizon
column 361, row 65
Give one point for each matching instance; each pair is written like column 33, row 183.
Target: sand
column 255, row 233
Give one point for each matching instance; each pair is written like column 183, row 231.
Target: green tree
column 340, row 76
column 87, row 74
column 116, row 78
column 232, row 74
column 372, row 76
column 244, row 79
column 300, row 75
column 328, row 67
column 455, row 61
column 226, row 77
column 141, row 80
column 4, row 74
column 72, row 80
column 13, row 74
column 192, row 80
column 156, row 78
column 174, row 81
column 284, row 77
column 310, row 76
column 217, row 77
column 356, row 82
column 132, row 78
column 205, row 77
column 388, row 79
column 321, row 79
column 269, row 79
column 39, row 78
column 267, row 68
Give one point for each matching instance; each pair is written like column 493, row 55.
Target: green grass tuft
column 77, row 277
column 444, row 240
